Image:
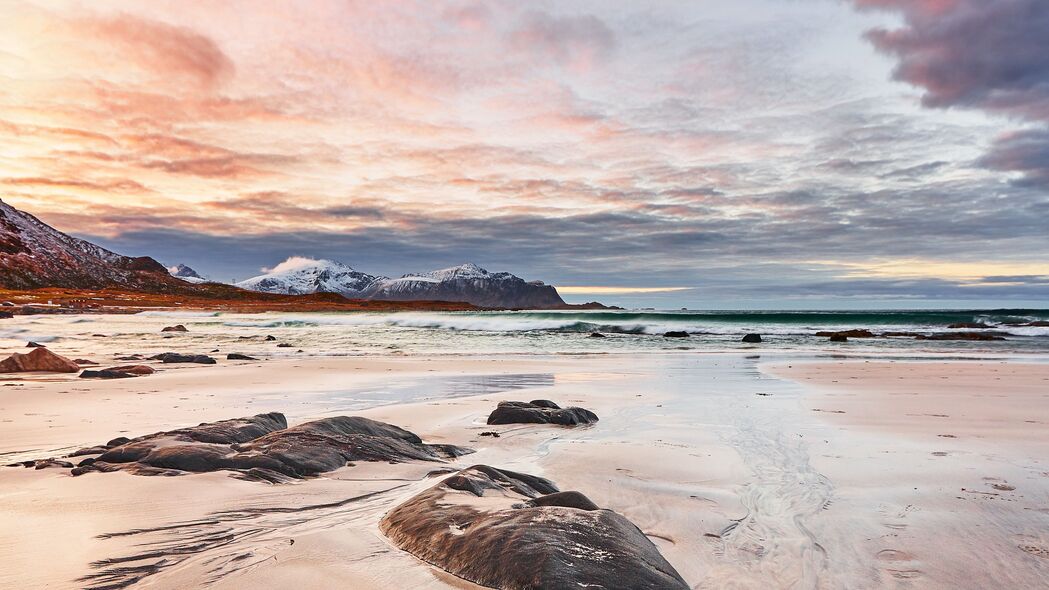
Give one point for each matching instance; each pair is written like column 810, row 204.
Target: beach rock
column 174, row 357
column 6, row 315
column 134, row 369
column 899, row 334
column 673, row 334
column 262, row 447
column 270, row 339
column 540, row 412
column 84, row 362
column 839, row 337
column 178, row 328
column 106, row 374
column 752, row 338
column 597, row 335
column 32, row 344
column 963, row 336
column 525, row 535
column 133, row 357
column 40, row 359
column 236, row 356
column 283, row 345
column 858, row 333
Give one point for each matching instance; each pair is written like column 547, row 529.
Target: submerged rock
column 963, row 336
column 236, row 356
column 262, row 447
column 857, row 333
column 675, row 334
column 525, row 535
column 174, row 357
column 597, row 335
column 540, row 412
column 839, row 337
column 106, row 374
column 752, row 338
column 40, row 359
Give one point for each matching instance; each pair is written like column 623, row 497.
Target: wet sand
column 720, row 459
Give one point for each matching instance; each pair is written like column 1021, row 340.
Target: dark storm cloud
column 988, row 55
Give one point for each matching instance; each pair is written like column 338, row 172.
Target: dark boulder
column 857, row 333
column 270, row 338
column 84, row 362
column 174, row 357
column 264, row 448
column 675, row 334
column 6, row 315
column 969, row 326
column 236, row 356
column 963, row 336
column 597, row 335
column 752, row 338
column 178, row 328
column 540, row 412
column 106, row 374
column 283, row 345
column 525, row 535
column 839, row 337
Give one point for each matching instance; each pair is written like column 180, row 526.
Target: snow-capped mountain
column 469, row 283
column 465, row 283
column 301, row 276
column 181, row 271
column 34, row 255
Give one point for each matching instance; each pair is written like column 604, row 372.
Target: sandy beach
column 745, row 473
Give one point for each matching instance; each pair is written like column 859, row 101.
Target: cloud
column 293, row 263
column 987, row 55
column 167, row 50
column 577, row 42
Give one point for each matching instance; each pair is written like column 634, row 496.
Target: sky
column 704, row 154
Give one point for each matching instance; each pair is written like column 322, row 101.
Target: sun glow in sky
column 706, row 152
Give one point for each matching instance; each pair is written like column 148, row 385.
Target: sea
column 526, row 332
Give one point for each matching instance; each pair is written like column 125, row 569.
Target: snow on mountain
column 469, row 283
column 181, row 271
column 301, row 276
column 465, row 283
column 34, row 255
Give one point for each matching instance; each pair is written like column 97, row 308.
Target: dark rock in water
column 270, row 339
column 897, row 334
column 106, row 374
column 174, row 357
column 32, row 344
column 1037, row 324
column 236, row 356
column 963, row 336
column 39, row 359
column 859, row 333
column 752, row 338
column 263, row 447
column 597, row 335
column 178, row 328
column 6, row 315
column 84, row 362
column 676, row 335
column 525, row 535
column 839, row 337
column 539, row 412
column 490, row 433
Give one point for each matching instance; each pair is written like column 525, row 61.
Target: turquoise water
column 528, row 332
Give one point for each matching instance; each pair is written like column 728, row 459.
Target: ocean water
column 525, row 332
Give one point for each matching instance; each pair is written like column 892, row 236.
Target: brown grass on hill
column 211, row 297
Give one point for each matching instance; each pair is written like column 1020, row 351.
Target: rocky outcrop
column 540, row 412
column 752, row 338
column 177, row 328
column 471, row 284
column 40, row 359
column 34, row 255
column 174, row 357
column 236, row 356
column 675, row 334
column 185, row 273
column 263, row 447
column 107, row 374
column 857, row 333
column 963, row 336
column 514, row 531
